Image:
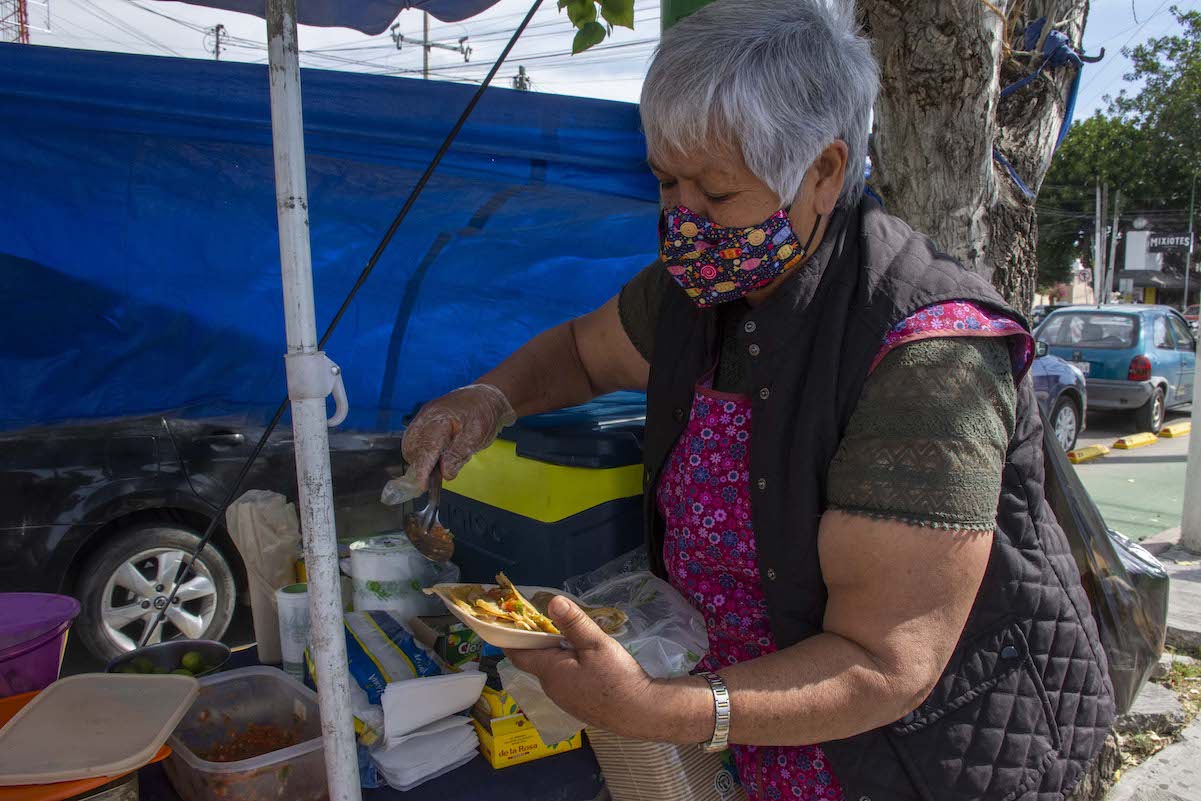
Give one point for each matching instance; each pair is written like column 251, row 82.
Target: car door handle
column 222, row 441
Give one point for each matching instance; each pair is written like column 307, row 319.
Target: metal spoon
column 424, row 529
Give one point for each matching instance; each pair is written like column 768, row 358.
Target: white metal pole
column 310, row 434
column 1098, row 249
column 1190, row 524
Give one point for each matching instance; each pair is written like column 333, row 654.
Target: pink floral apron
column 711, row 558
column 710, row 551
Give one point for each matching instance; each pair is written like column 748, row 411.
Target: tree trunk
column 940, row 116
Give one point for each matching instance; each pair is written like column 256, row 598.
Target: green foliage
column 583, row 16
column 589, row 34
column 1147, row 145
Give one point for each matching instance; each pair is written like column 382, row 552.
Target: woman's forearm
column 824, row 688
column 545, row 373
column 571, row 363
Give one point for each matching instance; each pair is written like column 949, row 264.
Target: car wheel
column 1150, row 417
column 129, row 578
column 1065, row 423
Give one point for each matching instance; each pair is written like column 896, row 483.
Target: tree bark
column 940, row 116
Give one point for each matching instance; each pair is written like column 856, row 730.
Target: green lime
column 193, row 661
column 160, row 671
column 142, row 665
column 127, row 668
column 182, row 672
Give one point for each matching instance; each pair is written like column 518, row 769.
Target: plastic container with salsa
column 253, row 734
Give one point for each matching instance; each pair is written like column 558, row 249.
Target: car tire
column 1151, row 416
column 1065, row 423
column 121, row 584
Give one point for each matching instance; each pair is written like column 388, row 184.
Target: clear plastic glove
column 449, row 431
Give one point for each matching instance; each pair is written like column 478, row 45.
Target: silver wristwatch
column 721, row 708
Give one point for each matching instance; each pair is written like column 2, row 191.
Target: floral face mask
column 714, row 264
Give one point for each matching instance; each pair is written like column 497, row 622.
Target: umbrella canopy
column 367, row 16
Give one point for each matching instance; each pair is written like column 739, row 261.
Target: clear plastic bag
column 1126, row 585
column 636, row 561
column 665, row 634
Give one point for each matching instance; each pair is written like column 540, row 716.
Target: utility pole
column 1190, row 524
column 1112, row 270
column 462, row 48
column 217, row 31
column 521, row 81
column 1188, row 264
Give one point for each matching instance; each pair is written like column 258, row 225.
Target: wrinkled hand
column 596, row 681
column 450, row 430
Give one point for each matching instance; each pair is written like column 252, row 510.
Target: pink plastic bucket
column 33, row 637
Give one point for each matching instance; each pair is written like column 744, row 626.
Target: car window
column 1085, row 330
column 1163, row 340
column 1048, row 330
column 1184, row 337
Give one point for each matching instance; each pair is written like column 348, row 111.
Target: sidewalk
column 1174, row 774
column 1184, row 595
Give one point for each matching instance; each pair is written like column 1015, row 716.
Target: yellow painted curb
column 1084, row 454
column 1176, row 430
column 1136, row 441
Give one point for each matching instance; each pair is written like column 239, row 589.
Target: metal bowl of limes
column 182, row 657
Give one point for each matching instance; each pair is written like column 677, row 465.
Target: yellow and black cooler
column 555, row 496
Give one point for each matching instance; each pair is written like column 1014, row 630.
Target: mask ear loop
column 812, row 235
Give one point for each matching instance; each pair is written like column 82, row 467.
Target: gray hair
column 779, row 80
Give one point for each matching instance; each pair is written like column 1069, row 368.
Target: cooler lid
column 602, row 434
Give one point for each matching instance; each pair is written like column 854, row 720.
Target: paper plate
column 502, row 637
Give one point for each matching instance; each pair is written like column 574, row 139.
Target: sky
column 612, row 70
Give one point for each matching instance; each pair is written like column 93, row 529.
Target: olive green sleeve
column 927, row 442
column 638, row 306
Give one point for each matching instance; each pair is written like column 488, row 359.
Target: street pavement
column 1140, row 491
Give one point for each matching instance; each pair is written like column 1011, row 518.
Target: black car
column 105, row 512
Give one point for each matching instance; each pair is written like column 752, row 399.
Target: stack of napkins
column 424, row 736
column 409, row 705
column 427, row 753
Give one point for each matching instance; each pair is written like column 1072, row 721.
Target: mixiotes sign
column 1164, row 243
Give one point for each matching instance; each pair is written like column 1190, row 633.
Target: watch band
column 721, row 717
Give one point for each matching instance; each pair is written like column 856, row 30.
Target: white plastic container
column 389, row 574
column 233, row 700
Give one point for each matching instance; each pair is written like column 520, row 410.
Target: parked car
column 1062, row 395
column 1039, row 313
column 105, row 512
column 1134, row 358
column 1190, row 315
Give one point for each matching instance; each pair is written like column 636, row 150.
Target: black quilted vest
column 1025, row 701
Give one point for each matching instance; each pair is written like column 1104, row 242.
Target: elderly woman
column 843, row 453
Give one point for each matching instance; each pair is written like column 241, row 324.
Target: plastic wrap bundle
column 1126, row 585
column 640, row 771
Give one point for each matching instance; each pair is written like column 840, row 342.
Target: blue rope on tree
column 1057, row 52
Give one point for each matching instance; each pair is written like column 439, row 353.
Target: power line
column 104, row 16
column 1097, row 74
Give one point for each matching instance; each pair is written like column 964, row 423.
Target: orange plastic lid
column 59, row 791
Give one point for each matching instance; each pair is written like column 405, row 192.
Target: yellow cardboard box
column 506, row 735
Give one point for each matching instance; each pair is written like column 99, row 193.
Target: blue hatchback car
column 1135, row 358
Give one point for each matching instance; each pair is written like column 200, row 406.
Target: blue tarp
column 369, row 16
column 139, row 253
